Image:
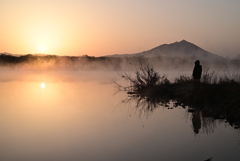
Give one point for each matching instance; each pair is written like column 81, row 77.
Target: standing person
column 197, row 72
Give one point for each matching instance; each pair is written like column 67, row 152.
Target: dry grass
column 218, row 94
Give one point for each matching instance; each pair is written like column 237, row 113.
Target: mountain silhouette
column 182, row 49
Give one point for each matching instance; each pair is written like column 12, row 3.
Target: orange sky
column 103, row 27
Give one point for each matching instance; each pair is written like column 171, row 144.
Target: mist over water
column 78, row 116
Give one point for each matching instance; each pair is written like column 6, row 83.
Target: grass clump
column 216, row 94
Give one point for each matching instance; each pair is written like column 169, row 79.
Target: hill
column 182, row 49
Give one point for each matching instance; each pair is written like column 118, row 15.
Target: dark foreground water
column 76, row 117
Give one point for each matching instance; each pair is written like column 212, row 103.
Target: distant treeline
column 34, row 61
column 85, row 62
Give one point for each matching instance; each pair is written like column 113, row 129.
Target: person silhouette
column 197, row 72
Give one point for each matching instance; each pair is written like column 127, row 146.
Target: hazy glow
column 43, row 48
column 43, row 85
column 117, row 27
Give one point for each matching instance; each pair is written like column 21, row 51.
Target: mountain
column 182, row 49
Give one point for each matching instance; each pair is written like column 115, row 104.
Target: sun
column 42, row 48
column 43, row 85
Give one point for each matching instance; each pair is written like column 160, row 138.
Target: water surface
column 78, row 117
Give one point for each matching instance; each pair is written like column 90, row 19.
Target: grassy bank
column 216, row 96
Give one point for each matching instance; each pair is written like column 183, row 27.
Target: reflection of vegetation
column 145, row 105
column 201, row 120
column 204, row 120
column 215, row 98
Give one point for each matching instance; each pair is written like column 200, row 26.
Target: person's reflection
column 196, row 122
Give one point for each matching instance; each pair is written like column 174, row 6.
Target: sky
column 106, row 27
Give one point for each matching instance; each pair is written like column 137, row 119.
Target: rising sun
column 42, row 48
column 43, row 85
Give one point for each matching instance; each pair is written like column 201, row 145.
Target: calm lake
column 77, row 116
